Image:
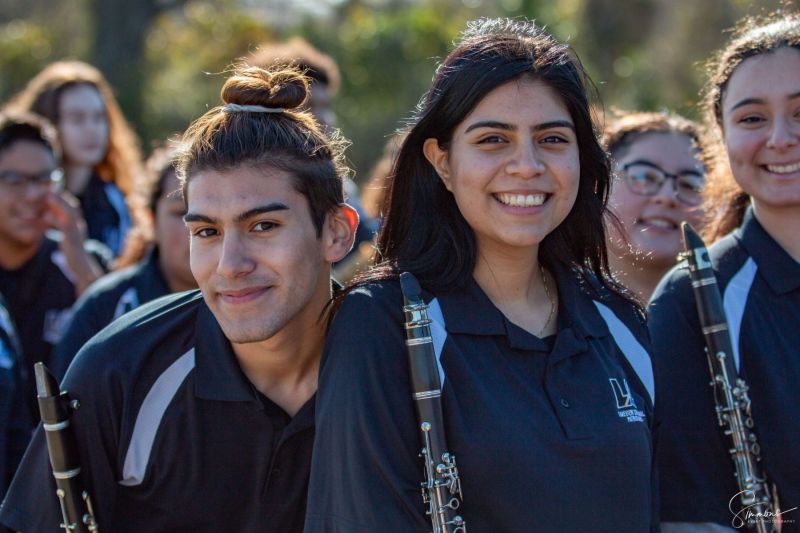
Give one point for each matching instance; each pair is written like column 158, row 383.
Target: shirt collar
column 217, row 373
column 778, row 269
column 470, row 311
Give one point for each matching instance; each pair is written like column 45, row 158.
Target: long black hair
column 424, row 232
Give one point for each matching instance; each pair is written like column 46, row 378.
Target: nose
column 525, row 162
column 784, row 134
column 234, row 260
column 667, row 194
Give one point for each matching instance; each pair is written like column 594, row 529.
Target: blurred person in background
column 373, row 196
column 163, row 269
column 16, row 419
column 752, row 105
column 100, row 153
column 42, row 273
column 657, row 185
column 325, row 78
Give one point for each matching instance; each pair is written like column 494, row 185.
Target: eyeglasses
column 19, row 180
column 646, row 179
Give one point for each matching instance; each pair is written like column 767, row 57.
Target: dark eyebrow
column 250, row 213
column 510, row 127
column 748, row 101
column 649, row 163
column 490, row 124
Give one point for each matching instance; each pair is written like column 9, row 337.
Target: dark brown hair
column 148, row 191
column 424, row 231
column 627, row 126
column 20, row 126
column 725, row 201
column 290, row 140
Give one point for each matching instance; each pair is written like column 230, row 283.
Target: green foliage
column 187, row 54
column 643, row 54
column 387, row 59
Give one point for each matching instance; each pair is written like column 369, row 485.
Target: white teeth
column 659, row 223
column 521, row 200
column 784, row 169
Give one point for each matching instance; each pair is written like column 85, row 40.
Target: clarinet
column 730, row 392
column 55, row 408
column 441, row 489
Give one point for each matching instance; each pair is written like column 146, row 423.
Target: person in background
column 42, row 273
column 163, row 270
column 15, row 416
column 325, row 78
column 197, row 409
column 752, row 106
column 659, row 176
column 100, row 154
column 496, row 206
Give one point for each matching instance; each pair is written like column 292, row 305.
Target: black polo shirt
column 15, row 416
column 40, row 295
column 549, row 434
column 104, row 301
column 106, row 213
column 172, row 435
column 760, row 286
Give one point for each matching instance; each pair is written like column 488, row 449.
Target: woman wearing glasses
column 658, row 180
column 753, row 105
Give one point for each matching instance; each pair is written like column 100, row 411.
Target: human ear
column 339, row 232
column 437, row 157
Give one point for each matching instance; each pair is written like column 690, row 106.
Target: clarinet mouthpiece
column 691, row 239
column 410, row 287
column 46, row 384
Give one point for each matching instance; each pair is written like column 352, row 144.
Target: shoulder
column 369, row 316
column 611, row 306
column 154, row 333
column 365, row 300
column 110, row 287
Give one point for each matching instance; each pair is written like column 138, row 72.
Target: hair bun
column 283, row 88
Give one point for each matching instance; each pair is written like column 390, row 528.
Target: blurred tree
column 166, row 58
column 187, row 54
column 120, row 28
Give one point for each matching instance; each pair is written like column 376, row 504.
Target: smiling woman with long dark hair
column 753, row 105
column 496, row 206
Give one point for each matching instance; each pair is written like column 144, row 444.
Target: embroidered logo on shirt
column 626, row 404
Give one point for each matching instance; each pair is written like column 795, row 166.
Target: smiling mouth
column 783, row 169
column 657, row 223
column 243, row 295
column 521, row 200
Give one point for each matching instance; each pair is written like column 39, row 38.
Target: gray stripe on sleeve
column 735, row 300
column 634, row 352
column 149, row 418
column 438, row 333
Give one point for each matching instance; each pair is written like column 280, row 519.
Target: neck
column 14, row 255
column 782, row 224
column 77, row 178
column 513, row 282
column 639, row 276
column 284, row 368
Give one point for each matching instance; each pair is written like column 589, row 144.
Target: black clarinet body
column 55, row 408
column 759, row 508
column 441, row 489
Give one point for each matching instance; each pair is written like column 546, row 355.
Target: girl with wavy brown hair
column 101, row 154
